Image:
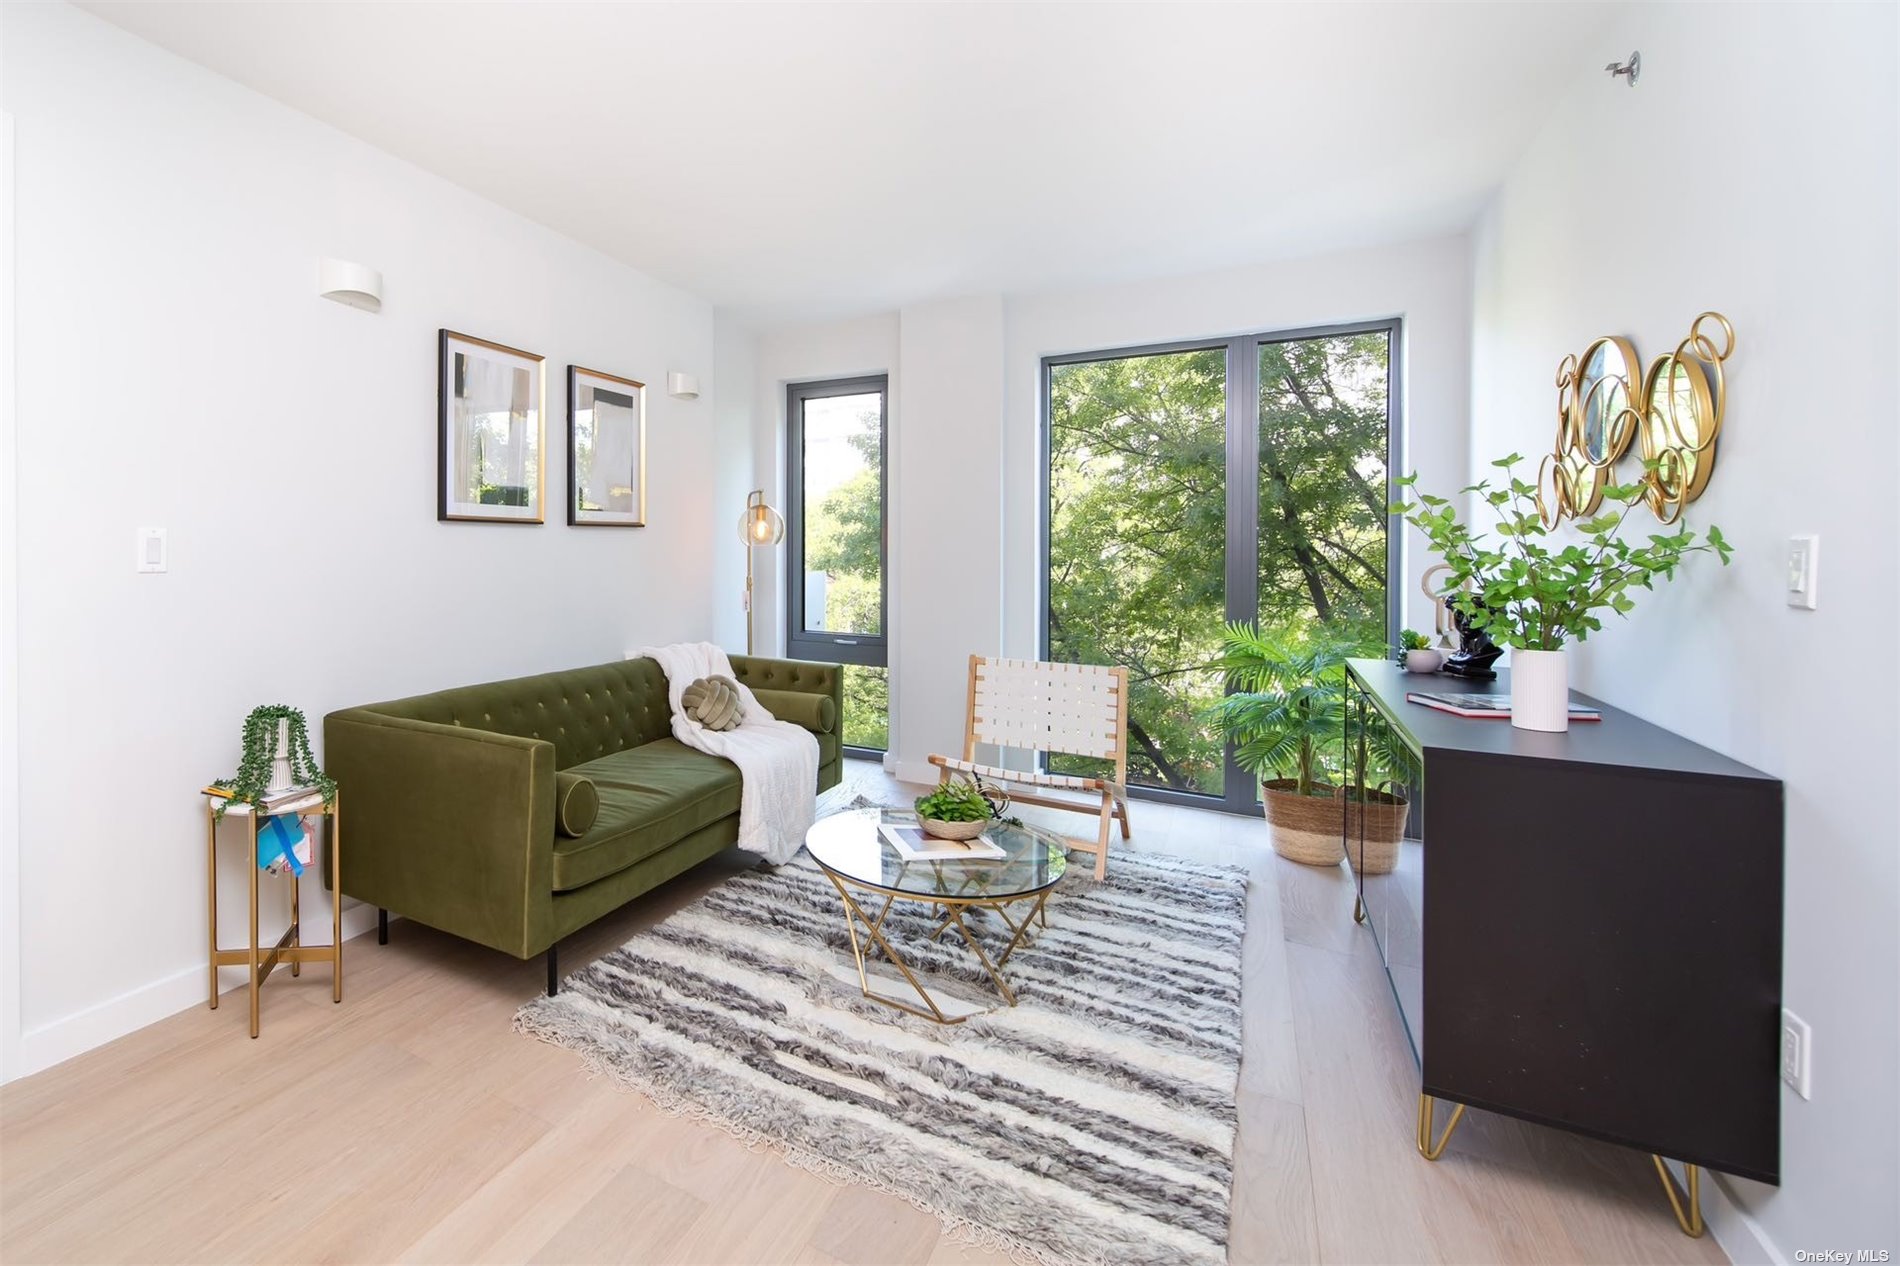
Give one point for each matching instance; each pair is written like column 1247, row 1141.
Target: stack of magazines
column 913, row 844
column 270, row 801
column 283, row 846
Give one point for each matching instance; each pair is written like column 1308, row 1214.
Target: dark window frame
column 863, row 649
column 1240, row 795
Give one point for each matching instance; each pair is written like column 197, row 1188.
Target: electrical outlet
column 1797, row 1053
column 1804, row 565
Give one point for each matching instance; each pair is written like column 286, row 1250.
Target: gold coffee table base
column 953, row 909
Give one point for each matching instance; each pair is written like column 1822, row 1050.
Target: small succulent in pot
column 959, row 809
column 1416, row 654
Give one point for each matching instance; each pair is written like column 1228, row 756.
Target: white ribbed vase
column 280, row 778
column 1540, row 690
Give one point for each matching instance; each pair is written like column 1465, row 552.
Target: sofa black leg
column 554, row 971
column 382, row 926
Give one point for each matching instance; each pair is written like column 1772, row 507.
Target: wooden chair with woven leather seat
column 1062, row 709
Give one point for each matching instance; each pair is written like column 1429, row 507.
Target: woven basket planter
column 1384, row 814
column 1305, row 829
column 940, row 830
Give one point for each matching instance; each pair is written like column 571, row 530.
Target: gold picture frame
column 490, row 431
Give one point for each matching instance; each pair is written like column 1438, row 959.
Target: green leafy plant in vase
column 959, row 809
column 1534, row 593
column 276, row 747
column 1287, row 721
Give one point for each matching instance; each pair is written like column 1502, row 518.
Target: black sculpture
column 1475, row 654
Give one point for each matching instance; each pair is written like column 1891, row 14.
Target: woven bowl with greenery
column 951, row 830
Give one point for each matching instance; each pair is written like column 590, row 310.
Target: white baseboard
column 917, row 771
column 1739, row 1234
column 103, row 1022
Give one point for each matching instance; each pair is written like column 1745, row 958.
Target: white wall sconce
column 682, row 386
column 357, row 285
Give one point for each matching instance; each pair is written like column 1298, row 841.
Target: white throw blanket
column 778, row 761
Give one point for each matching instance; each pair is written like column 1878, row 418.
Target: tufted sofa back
column 759, row 673
column 585, row 712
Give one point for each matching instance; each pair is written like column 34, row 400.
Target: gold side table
column 290, row 947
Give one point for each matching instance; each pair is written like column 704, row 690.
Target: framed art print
column 606, row 449
column 490, row 406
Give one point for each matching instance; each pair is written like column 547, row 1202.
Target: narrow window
column 836, row 544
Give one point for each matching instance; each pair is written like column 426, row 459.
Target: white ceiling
column 795, row 159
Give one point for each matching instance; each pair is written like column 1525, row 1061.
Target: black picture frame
column 590, row 499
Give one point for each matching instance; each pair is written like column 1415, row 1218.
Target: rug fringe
column 675, row 1104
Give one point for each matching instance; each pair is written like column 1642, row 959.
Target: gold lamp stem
column 759, row 526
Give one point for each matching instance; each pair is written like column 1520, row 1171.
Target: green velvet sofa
column 450, row 798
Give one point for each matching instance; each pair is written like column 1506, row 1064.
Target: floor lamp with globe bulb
column 759, row 527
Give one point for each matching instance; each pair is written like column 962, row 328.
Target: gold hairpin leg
column 874, row 930
column 1358, row 909
column 867, row 937
column 1022, row 930
column 1689, row 1219
column 1429, row 1150
column 1002, row 986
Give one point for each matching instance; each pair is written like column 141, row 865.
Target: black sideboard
column 1583, row 930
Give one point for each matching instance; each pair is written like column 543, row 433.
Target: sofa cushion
column 576, row 804
column 650, row 796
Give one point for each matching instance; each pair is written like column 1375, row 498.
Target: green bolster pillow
column 816, row 713
column 576, row 804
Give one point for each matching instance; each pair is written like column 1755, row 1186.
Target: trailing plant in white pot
column 1535, row 594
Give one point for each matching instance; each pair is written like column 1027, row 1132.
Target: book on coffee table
column 913, row 845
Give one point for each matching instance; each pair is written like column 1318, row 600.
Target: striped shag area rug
column 1093, row 1122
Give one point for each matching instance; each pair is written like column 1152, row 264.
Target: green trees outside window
column 838, row 561
column 1144, row 453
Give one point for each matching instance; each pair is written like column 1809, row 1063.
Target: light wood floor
column 412, row 1124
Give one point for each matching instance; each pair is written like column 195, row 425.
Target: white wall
column 1753, row 171
column 946, row 495
column 9, row 637
column 804, row 353
column 176, row 368
column 735, row 349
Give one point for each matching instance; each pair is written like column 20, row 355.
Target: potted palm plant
column 1286, row 719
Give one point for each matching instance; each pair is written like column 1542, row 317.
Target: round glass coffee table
column 852, row 852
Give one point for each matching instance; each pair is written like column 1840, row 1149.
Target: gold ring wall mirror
column 1596, row 421
column 1605, row 402
column 1682, row 416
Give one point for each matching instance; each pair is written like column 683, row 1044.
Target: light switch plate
column 152, row 551
column 1797, row 1052
column 1804, row 568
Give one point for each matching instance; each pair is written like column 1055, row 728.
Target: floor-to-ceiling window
column 836, row 544
column 1192, row 484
